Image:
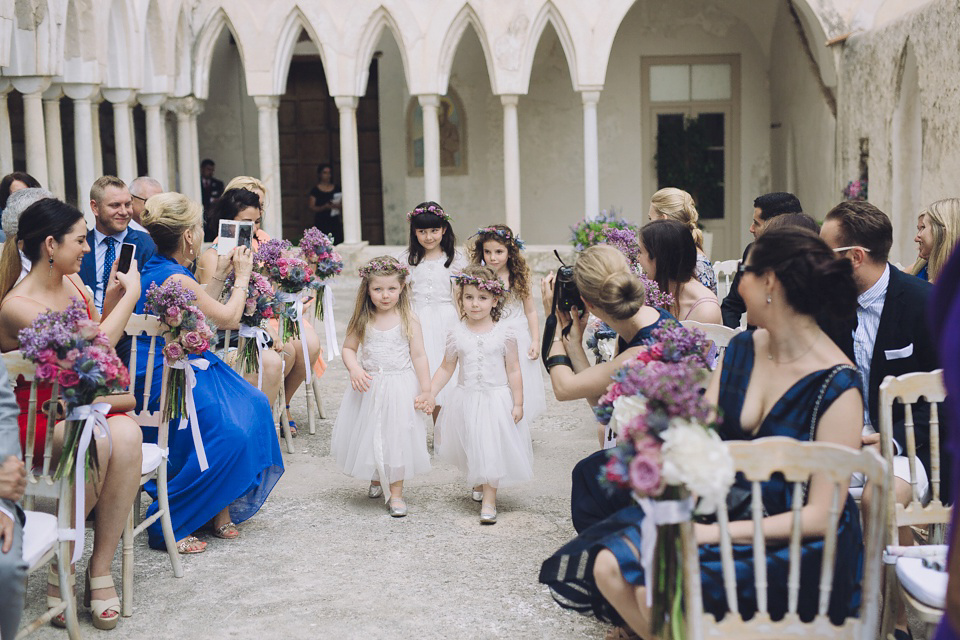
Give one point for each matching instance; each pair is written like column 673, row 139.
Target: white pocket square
column 896, row 354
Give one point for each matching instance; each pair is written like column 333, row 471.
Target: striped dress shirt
column 869, row 308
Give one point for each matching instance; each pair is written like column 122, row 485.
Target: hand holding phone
column 126, row 255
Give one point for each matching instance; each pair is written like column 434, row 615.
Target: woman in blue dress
column 236, row 421
column 785, row 379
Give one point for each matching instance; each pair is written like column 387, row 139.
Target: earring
column 50, row 272
column 769, row 299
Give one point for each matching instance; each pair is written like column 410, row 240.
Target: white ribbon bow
column 187, row 366
column 657, row 512
column 94, row 418
column 263, row 339
column 297, row 299
column 329, row 324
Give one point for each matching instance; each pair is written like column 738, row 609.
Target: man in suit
column 765, row 207
column 889, row 335
column 13, row 482
column 211, row 190
column 112, row 208
column 141, row 190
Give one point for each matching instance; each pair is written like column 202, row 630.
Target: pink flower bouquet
column 261, row 305
column 290, row 272
column 317, row 248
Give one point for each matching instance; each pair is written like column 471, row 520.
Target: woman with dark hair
column 668, row 255
column 787, row 378
column 13, row 182
column 54, row 237
column 325, row 203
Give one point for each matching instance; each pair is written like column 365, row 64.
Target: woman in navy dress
column 785, row 379
column 235, row 418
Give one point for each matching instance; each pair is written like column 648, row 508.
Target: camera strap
column 550, row 324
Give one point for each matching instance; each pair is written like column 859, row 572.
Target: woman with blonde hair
column 676, row 204
column 938, row 231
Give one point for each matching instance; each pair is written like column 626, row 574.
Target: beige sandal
column 53, row 579
column 186, row 546
column 106, row 613
column 227, row 531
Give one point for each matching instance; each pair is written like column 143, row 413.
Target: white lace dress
column 534, row 396
column 378, row 432
column 433, row 303
column 475, row 430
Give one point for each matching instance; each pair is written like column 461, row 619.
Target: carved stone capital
column 267, row 102
column 186, row 107
column 79, row 91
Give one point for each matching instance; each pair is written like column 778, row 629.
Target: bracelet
column 553, row 361
column 236, row 286
column 219, row 279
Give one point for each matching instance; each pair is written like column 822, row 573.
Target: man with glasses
column 141, row 190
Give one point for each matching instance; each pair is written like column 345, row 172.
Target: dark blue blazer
column 145, row 250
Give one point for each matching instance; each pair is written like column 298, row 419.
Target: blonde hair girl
column 676, row 204
column 938, row 232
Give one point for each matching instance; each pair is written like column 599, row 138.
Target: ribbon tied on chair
column 187, row 367
column 329, row 324
column 657, row 512
column 94, row 418
column 263, row 339
column 297, row 299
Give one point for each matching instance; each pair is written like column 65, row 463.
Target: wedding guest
column 112, row 207
column 676, row 204
column 612, row 293
column 210, row 188
column 324, row 203
column 13, row 482
column 775, row 381
column 801, row 220
column 141, row 190
column 16, row 205
column 668, row 255
column 938, row 232
column 235, row 419
column 765, row 208
column 54, row 238
column 13, row 182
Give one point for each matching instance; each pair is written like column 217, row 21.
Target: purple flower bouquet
column 287, row 268
column 317, row 248
column 71, row 353
column 261, row 305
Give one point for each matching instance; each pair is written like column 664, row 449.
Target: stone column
column 349, row 168
column 32, row 88
column 156, row 136
column 97, row 142
column 122, row 127
column 51, row 114
column 511, row 161
column 83, row 142
column 188, row 150
column 591, row 155
column 6, row 141
column 268, row 130
column 431, row 147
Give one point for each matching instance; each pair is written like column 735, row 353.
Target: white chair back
column 797, row 461
column 724, row 270
column 718, row 333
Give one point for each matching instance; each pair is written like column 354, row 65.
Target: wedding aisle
column 321, row 560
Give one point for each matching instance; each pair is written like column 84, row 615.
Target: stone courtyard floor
column 321, row 560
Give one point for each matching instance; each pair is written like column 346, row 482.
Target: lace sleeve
column 459, row 262
column 510, row 348
column 450, row 350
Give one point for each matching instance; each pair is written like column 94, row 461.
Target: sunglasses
column 854, row 246
column 143, row 200
column 746, row 268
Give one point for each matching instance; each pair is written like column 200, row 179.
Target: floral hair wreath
column 383, row 267
column 503, row 233
column 496, row 286
column 432, row 209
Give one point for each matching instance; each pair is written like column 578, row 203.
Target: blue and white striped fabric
column 869, row 308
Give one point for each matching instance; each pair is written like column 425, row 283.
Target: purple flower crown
column 496, row 287
column 503, row 233
column 383, row 268
column 432, row 209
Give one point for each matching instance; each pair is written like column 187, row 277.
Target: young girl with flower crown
column 481, row 428
column 378, row 435
column 433, row 259
column 498, row 247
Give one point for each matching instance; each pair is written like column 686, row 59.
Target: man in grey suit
column 13, row 482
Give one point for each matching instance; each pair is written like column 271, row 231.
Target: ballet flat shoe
column 397, row 507
column 477, row 496
column 375, row 491
column 488, row 517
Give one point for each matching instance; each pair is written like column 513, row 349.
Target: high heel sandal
column 53, row 579
column 292, row 424
column 101, row 607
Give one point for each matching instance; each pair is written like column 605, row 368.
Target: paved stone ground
column 321, row 560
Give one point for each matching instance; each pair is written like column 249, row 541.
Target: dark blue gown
column 569, row 572
column 238, row 435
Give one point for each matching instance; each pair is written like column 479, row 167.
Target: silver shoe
column 488, row 518
column 375, row 490
column 397, row 511
column 476, row 495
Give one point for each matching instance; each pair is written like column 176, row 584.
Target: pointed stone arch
column 549, row 14
column 467, row 17
column 204, row 48
column 123, row 47
column 156, row 67
column 906, row 166
column 287, row 41
column 182, row 58
column 379, row 20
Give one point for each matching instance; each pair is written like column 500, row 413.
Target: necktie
column 108, row 260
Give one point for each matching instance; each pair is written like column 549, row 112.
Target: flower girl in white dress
column 433, row 259
column 379, row 435
column 481, row 427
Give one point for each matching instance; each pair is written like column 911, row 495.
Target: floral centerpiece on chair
column 287, row 268
column 668, row 454
column 317, row 248
column 261, row 305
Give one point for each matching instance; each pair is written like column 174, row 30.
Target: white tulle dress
column 475, row 430
column 378, row 433
column 534, row 397
column 433, row 303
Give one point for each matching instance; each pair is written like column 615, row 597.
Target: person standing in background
column 141, row 190
column 325, row 203
column 210, row 189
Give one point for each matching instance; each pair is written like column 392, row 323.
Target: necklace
column 805, row 352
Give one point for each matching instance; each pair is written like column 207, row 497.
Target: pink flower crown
column 504, row 234
column 383, row 268
column 432, row 209
column 496, row 286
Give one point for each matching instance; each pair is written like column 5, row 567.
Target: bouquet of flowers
column 587, row 233
column 317, row 248
column 288, row 269
column 601, row 339
column 668, row 453
column 70, row 351
column 261, row 305
column 855, row 190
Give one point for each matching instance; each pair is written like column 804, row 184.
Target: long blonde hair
column 604, row 279
column 677, row 204
column 943, row 216
column 364, row 309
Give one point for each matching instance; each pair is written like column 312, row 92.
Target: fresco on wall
column 453, row 136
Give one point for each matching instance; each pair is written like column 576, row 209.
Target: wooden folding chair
column 909, row 389
column 155, row 456
column 758, row 460
column 43, row 535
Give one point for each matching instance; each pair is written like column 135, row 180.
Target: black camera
column 565, row 290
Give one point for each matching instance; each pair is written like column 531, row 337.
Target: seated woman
column 785, row 379
column 938, row 232
column 612, row 293
column 668, row 256
column 54, row 238
column 235, row 418
column 671, row 203
column 212, row 271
